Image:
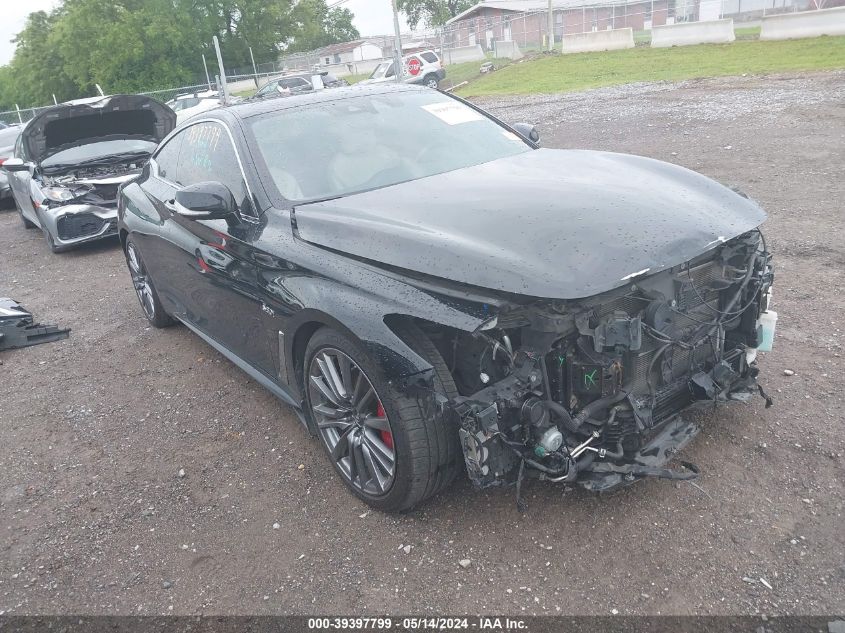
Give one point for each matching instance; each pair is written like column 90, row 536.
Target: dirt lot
column 94, row 431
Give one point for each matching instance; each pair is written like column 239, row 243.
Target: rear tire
column 426, row 454
column 431, row 81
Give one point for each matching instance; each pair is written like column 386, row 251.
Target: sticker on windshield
column 453, row 112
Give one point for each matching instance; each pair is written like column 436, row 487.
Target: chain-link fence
column 529, row 29
column 236, row 83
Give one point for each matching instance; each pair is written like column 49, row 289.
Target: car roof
column 256, row 108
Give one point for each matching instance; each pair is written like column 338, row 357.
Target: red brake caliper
column 386, row 436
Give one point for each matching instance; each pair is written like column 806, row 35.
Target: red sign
column 414, row 66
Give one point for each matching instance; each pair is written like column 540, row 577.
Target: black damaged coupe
column 434, row 294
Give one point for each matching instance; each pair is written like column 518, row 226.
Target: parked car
column 187, row 105
column 331, row 81
column 70, row 160
column 284, row 86
column 433, row 293
column 423, row 68
column 8, row 136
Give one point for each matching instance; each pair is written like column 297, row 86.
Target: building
column 526, row 21
column 348, row 53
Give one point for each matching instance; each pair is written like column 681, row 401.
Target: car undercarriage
column 590, row 391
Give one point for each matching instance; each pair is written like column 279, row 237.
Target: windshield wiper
column 100, row 160
column 113, row 158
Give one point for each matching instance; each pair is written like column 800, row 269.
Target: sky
column 372, row 17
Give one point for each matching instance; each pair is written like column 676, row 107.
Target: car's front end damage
column 81, row 205
column 591, row 391
column 617, row 292
column 82, row 152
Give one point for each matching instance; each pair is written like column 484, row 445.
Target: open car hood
column 562, row 224
column 89, row 120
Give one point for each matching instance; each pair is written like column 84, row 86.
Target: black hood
column 89, row 120
column 563, row 224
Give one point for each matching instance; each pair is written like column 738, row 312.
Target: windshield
column 101, row 149
column 380, row 70
column 327, row 150
column 184, row 104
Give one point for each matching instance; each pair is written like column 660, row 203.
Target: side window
column 207, row 154
column 389, row 72
column 167, row 159
column 431, row 58
column 19, row 147
column 294, row 82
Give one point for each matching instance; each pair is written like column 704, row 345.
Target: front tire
column 26, row 223
column 388, row 452
column 144, row 288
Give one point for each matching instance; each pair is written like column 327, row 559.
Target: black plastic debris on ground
column 18, row 329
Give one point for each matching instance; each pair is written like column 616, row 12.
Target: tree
column 315, row 26
column 140, row 45
column 432, row 12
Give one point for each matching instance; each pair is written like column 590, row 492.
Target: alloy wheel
column 141, row 281
column 352, row 422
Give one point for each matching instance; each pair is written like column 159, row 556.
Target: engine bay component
column 591, row 391
column 18, row 328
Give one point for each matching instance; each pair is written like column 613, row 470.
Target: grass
column 468, row 71
column 747, row 32
column 354, row 79
column 563, row 73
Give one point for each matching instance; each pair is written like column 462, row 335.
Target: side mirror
column 14, row 164
column 528, row 132
column 206, row 201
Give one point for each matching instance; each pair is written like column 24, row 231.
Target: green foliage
column 432, row 12
column 315, row 25
column 563, row 73
column 138, row 45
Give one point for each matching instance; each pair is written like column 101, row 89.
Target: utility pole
column 397, row 55
column 551, row 28
column 224, row 89
column 207, row 76
column 254, row 69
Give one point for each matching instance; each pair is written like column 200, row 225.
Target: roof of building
column 523, row 6
column 344, row 47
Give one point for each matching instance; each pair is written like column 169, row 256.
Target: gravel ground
column 95, row 431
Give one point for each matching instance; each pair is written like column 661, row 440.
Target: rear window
column 430, row 57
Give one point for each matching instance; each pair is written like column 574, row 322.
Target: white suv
column 418, row 68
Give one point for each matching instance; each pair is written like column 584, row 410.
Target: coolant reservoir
column 768, row 320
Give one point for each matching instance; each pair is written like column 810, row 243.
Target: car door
column 212, row 264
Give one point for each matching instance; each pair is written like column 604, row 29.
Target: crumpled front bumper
column 74, row 224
